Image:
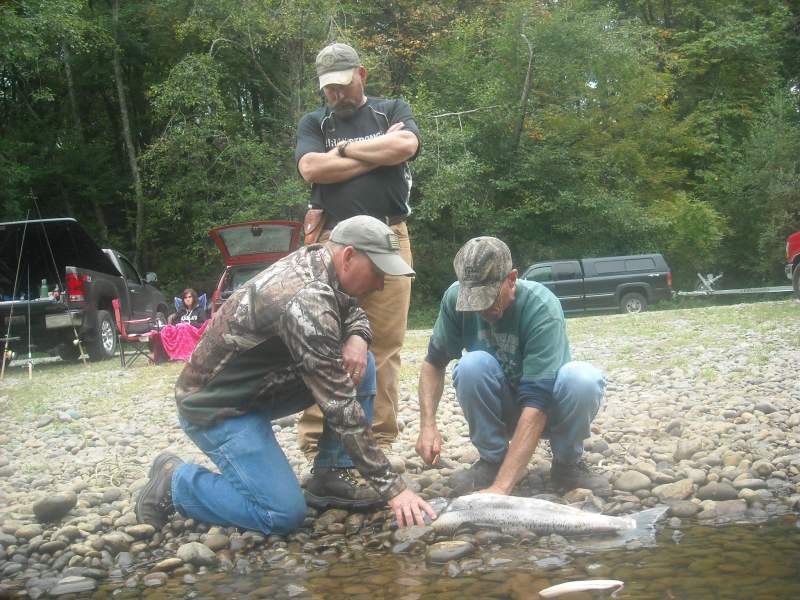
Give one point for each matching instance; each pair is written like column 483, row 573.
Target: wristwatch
column 341, row 147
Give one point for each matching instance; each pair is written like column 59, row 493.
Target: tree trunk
column 128, row 139
column 523, row 103
column 102, row 227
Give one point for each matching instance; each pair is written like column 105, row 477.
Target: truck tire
column 796, row 280
column 161, row 320
column 68, row 351
column 104, row 344
column 633, row 303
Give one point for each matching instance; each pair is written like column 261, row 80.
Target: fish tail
column 646, row 520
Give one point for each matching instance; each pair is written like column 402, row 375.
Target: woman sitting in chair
column 190, row 311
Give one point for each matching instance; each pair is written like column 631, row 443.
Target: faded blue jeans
column 256, row 487
column 492, row 410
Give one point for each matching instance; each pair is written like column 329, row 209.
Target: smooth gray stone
column 55, row 506
column 751, row 483
column 155, row 579
column 117, row 541
column 688, row 448
column 683, row 509
column 717, row 490
column 442, row 552
column 73, row 585
column 217, row 541
column 197, row 554
column 630, row 481
column 51, row 547
column 141, row 531
column 413, row 533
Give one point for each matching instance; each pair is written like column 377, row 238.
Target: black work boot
column 154, row 504
column 338, row 488
column 479, row 476
column 568, row 476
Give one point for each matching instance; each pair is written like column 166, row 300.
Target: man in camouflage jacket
column 290, row 337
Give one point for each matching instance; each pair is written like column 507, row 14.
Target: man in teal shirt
column 516, row 382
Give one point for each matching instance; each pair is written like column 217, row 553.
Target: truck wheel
column 161, row 320
column 633, row 302
column 68, row 351
column 104, row 343
column 796, row 280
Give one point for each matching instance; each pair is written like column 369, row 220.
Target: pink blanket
column 179, row 340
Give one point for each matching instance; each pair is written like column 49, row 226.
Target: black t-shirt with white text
column 383, row 192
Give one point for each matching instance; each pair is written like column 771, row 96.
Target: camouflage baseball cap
column 335, row 64
column 376, row 240
column 481, row 266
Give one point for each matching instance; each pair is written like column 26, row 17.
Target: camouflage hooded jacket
column 277, row 338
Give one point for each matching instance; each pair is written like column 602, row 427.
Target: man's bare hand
column 429, row 444
column 354, row 357
column 396, row 127
column 492, row 489
column 408, row 507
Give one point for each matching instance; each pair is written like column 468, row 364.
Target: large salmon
column 514, row 513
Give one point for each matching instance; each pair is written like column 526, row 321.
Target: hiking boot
column 568, row 476
column 479, row 476
column 154, row 504
column 338, row 488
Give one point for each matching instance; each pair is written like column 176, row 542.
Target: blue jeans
column 492, row 408
column 256, row 487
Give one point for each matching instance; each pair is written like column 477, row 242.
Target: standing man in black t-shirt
column 354, row 152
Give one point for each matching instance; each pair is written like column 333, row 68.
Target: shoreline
column 700, row 413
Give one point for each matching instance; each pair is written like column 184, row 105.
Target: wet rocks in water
column 73, row 585
column 442, row 552
column 155, row 579
column 54, row 506
column 724, row 509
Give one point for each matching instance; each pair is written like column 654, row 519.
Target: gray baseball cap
column 335, row 64
column 481, row 266
column 374, row 239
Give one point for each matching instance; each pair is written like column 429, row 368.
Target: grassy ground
column 635, row 343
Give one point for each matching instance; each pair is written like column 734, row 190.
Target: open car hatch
column 256, row 241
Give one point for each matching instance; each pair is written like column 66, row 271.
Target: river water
column 727, row 562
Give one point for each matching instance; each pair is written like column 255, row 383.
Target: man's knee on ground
column 289, row 516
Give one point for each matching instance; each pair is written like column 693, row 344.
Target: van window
column 640, row 264
column 568, row 270
column 128, row 270
column 610, row 266
column 544, row 273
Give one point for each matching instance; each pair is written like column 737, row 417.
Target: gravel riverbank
column 701, row 413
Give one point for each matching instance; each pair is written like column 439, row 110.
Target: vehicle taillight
column 75, row 288
column 669, row 279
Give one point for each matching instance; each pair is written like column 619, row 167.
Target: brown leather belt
column 394, row 220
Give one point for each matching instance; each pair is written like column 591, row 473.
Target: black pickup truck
column 626, row 283
column 57, row 284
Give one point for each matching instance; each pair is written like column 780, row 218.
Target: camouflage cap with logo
column 481, row 266
column 375, row 239
column 335, row 64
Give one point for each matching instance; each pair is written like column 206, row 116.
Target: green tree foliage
column 569, row 128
